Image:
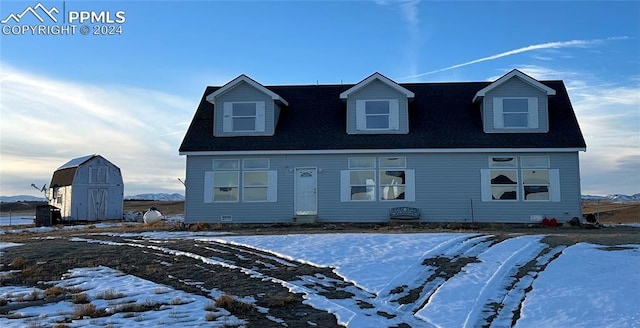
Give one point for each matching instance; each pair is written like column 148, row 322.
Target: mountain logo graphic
column 34, row 11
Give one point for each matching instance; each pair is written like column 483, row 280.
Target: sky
column 130, row 96
column 549, row 295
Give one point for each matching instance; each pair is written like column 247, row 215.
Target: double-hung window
column 245, row 116
column 231, row 182
column 377, row 179
column 392, row 178
column 226, row 179
column 255, row 180
column 362, row 178
column 536, row 177
column 515, row 112
column 377, row 114
column 504, row 178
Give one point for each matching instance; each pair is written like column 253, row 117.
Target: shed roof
column 64, row 175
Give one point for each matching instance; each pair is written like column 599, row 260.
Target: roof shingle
column 441, row 116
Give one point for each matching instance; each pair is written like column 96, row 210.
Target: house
column 501, row 151
column 87, row 188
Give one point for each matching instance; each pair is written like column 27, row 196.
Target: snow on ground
column 584, row 285
column 15, row 220
column 118, row 293
column 587, row 286
column 371, row 253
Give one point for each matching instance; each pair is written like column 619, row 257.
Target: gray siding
column 515, row 87
column 448, row 189
column 244, row 92
column 76, row 198
column 378, row 90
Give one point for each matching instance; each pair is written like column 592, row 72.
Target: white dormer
column 377, row 105
column 245, row 107
column 515, row 103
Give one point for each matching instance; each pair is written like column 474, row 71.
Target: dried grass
column 80, row 298
column 84, row 310
column 280, row 300
column 200, row 226
column 18, row 263
column 54, row 291
column 229, row 303
column 110, row 294
column 210, row 316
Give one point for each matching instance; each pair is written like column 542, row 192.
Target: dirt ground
column 47, row 256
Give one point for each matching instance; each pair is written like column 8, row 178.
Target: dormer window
column 515, row 112
column 244, row 116
column 378, row 114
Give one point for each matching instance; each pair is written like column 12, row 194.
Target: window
column 504, row 184
column 382, row 179
column 377, row 114
column 245, row 116
column 536, row 181
column 225, row 186
column 362, row 185
column 229, row 183
column 98, row 174
column 498, row 162
column 515, row 113
column 533, row 180
column 255, row 186
column 535, row 184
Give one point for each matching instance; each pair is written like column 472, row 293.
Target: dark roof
column 63, row 177
column 442, row 115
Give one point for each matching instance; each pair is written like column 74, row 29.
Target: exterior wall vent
column 226, row 218
column 536, row 218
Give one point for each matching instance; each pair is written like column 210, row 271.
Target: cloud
column 548, row 45
column 609, row 117
column 45, row 122
column 410, row 13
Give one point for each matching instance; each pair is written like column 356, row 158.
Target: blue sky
column 130, row 97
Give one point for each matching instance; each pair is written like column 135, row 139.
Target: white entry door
column 97, row 204
column 306, row 194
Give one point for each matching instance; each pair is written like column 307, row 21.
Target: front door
column 97, row 204
column 306, row 194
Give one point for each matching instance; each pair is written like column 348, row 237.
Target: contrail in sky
column 548, row 45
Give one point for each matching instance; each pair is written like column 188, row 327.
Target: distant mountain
column 613, row 198
column 21, row 198
column 157, row 197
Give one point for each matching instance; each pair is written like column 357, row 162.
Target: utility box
column 47, row 215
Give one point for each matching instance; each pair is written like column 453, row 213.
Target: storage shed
column 87, row 188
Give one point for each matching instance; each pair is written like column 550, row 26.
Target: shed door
column 306, row 196
column 97, row 204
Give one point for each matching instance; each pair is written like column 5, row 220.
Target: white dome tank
column 152, row 216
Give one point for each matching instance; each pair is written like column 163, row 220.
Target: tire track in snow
column 460, row 301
